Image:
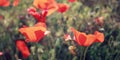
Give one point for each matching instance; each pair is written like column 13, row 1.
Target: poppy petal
column 31, row 9
column 99, row 36
column 23, row 48
column 16, row 2
column 80, row 38
column 4, row 3
column 35, row 33
column 49, row 5
column 90, row 40
column 71, row 1
column 62, row 8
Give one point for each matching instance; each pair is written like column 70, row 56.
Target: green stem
column 81, row 54
column 85, row 53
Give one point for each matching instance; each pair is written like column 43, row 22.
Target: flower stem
column 85, row 53
column 81, row 54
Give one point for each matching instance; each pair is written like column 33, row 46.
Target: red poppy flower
column 71, row 1
column 87, row 40
column 23, row 48
column 49, row 5
column 16, row 2
column 39, row 17
column 4, row 3
column 62, row 8
column 99, row 36
column 35, row 33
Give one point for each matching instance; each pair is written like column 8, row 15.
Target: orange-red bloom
column 86, row 40
column 22, row 47
column 40, row 17
column 4, row 3
column 49, row 5
column 71, row 1
column 35, row 33
column 16, row 2
column 62, row 8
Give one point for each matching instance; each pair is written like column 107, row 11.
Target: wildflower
column 49, row 5
column 39, row 17
column 35, row 33
column 71, row 1
column 22, row 47
column 16, row 2
column 87, row 40
column 4, row 3
column 62, row 7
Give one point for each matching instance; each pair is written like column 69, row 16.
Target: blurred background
column 81, row 15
